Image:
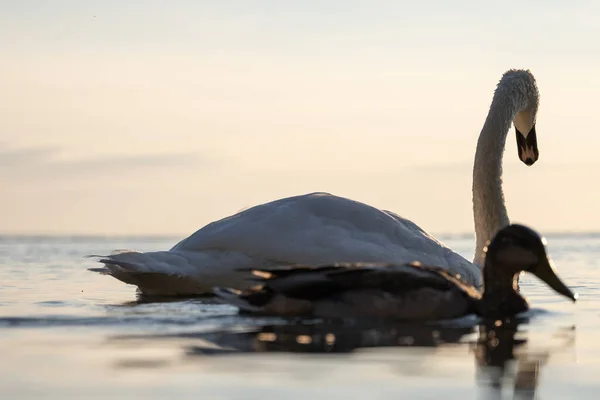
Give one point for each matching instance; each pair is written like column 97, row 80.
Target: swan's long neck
column 489, row 210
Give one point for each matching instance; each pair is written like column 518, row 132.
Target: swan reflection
column 508, row 358
column 504, row 361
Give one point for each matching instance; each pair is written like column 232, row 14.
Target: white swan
column 320, row 228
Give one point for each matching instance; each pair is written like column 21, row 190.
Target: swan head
column 517, row 248
column 522, row 83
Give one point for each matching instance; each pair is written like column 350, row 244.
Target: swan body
column 311, row 229
column 405, row 292
column 320, row 228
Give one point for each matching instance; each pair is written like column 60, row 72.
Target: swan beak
column 545, row 272
column 527, row 146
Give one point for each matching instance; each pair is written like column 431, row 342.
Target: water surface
column 69, row 333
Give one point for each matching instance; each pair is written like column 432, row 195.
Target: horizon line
column 156, row 236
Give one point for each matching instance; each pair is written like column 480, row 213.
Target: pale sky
column 158, row 117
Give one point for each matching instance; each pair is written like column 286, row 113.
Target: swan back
column 320, row 228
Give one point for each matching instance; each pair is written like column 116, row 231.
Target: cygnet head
column 522, row 83
column 517, row 248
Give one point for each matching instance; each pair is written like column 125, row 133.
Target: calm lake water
column 69, row 333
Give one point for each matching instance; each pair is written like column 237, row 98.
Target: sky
column 158, row 117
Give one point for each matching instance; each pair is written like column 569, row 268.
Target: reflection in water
column 332, row 337
column 494, row 355
column 502, row 359
column 497, row 362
